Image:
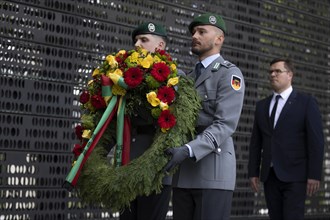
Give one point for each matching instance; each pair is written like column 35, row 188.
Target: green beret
column 208, row 19
column 149, row 28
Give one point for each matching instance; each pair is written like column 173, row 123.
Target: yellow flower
column 139, row 61
column 173, row 67
column 112, row 61
column 96, row 72
column 134, row 57
column 152, row 99
column 87, row 134
column 121, row 52
column 163, row 106
column 157, row 59
column 147, row 62
column 164, row 130
column 90, row 82
column 116, row 72
column 172, row 81
column 144, row 52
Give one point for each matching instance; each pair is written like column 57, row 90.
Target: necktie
column 272, row 115
column 198, row 69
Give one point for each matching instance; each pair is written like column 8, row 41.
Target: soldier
column 152, row 37
column 203, row 186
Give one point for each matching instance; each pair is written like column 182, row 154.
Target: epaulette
column 228, row 64
column 225, row 63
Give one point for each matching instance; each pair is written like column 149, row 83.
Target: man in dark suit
column 204, row 183
column 287, row 144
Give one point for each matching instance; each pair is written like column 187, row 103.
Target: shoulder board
column 226, row 64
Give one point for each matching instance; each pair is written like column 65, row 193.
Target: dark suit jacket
column 295, row 146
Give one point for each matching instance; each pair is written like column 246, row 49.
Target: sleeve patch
column 236, row 82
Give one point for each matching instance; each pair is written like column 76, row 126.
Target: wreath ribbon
column 120, row 130
column 115, row 105
column 126, row 141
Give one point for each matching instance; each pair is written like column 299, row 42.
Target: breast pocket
column 209, row 101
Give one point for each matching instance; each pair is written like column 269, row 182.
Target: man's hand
column 312, row 186
column 254, row 182
column 178, row 155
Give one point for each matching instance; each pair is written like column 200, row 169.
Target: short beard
column 195, row 51
column 201, row 51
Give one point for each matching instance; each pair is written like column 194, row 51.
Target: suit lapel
column 269, row 99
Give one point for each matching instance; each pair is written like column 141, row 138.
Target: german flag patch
column 236, row 82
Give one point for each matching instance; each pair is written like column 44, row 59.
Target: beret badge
column 212, row 19
column 151, row 27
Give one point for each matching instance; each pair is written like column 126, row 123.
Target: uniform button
column 133, row 139
column 205, row 96
column 219, row 150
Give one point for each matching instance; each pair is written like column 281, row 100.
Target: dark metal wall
column 49, row 47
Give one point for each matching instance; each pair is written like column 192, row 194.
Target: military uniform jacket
column 221, row 87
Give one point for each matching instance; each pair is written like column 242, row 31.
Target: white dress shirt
column 281, row 102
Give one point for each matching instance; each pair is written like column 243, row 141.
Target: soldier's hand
column 178, row 154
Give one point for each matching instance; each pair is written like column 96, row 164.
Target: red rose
column 79, row 131
column 84, row 97
column 169, row 58
column 121, row 60
column 160, row 71
column 78, row 149
column 133, row 77
column 166, row 119
column 98, row 102
column 166, row 94
column 161, row 52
